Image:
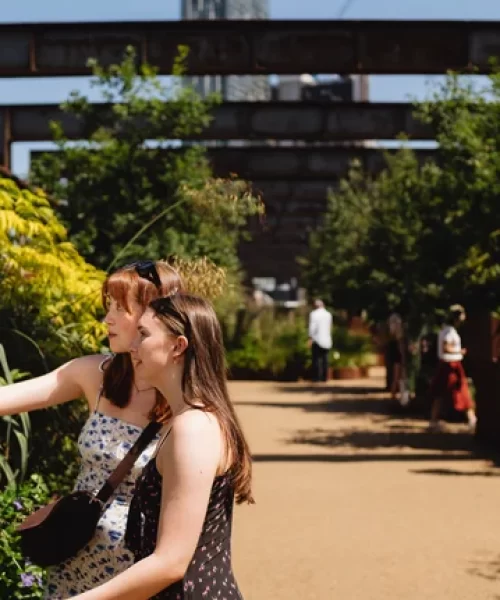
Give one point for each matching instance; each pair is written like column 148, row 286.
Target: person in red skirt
column 450, row 382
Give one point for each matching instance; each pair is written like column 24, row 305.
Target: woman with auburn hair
column 121, row 403
column 180, row 519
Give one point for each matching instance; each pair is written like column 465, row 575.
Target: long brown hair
column 124, row 285
column 204, row 378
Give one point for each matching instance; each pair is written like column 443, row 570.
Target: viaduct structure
column 293, row 159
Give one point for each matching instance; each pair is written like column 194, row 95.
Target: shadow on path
column 396, row 437
column 337, row 390
column 353, row 406
column 486, row 568
column 350, row 401
column 456, row 473
column 360, row 457
column 369, row 426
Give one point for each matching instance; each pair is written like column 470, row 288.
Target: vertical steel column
column 5, row 158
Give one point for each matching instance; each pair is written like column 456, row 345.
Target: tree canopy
column 419, row 236
column 132, row 189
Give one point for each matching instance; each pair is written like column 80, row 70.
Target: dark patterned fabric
column 209, row 575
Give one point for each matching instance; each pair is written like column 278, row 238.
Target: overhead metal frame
column 259, row 121
column 293, row 164
column 254, row 47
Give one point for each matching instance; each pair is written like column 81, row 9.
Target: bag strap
column 118, row 475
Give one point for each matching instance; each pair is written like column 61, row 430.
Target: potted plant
column 344, row 366
column 352, row 355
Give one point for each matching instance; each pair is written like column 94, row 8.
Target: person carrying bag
column 59, row 530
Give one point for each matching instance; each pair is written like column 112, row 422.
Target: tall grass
column 15, row 433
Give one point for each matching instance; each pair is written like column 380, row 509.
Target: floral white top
column 103, row 442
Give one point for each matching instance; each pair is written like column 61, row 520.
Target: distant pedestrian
column 450, row 382
column 320, row 340
column 395, row 354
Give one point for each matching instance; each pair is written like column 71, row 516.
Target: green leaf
column 22, row 440
column 6, row 470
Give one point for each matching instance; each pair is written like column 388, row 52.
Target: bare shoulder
column 87, row 366
column 196, row 423
column 194, row 442
column 86, row 371
column 93, row 360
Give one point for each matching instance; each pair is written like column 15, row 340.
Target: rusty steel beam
column 310, row 121
column 306, row 121
column 255, row 257
column 294, row 163
column 298, row 163
column 294, row 196
column 228, row 47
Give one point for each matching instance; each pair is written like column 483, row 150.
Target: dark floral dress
column 209, row 575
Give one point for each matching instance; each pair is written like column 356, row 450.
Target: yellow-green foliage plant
column 48, row 292
column 51, row 311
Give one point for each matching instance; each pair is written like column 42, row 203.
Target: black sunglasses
column 163, row 306
column 147, row 270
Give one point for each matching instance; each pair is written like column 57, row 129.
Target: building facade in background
column 306, row 87
column 233, row 87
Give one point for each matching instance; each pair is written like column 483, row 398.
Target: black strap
column 126, row 464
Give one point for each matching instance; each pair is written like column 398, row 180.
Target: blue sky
column 382, row 88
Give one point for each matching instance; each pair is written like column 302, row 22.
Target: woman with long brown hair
column 121, row 403
column 179, row 525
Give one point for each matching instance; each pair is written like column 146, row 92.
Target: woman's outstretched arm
column 76, row 378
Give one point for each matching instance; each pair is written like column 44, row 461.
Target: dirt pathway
column 356, row 502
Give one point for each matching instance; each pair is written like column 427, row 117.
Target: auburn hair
column 204, row 380
column 124, row 285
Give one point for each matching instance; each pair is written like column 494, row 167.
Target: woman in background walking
column 450, row 382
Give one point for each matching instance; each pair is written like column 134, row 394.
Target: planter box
column 347, row 373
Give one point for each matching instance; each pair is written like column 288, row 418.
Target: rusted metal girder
column 308, row 121
column 265, row 257
column 298, row 163
column 228, row 47
column 305, row 121
column 295, row 163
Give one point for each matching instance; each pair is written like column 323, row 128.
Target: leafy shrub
column 15, row 430
column 49, row 296
column 54, row 444
column 351, row 349
column 19, row 580
column 265, row 343
column 268, row 343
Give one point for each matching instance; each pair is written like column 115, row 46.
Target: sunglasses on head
column 163, row 306
column 147, row 270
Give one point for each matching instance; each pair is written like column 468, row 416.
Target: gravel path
column 355, row 501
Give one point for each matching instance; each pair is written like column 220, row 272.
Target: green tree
column 336, row 249
column 419, row 236
column 125, row 193
column 467, row 191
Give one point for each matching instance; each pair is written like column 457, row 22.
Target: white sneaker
column 472, row 425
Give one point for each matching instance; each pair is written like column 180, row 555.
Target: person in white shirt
column 450, row 381
column 320, row 340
